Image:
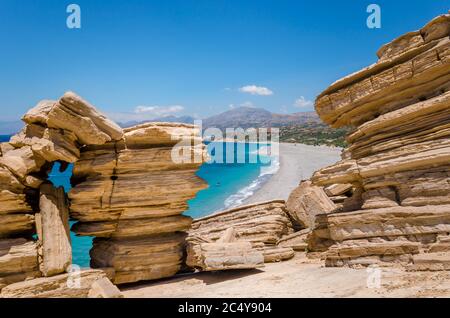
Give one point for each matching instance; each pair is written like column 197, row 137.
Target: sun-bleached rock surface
column 263, row 222
column 398, row 156
column 257, row 227
column 224, row 254
column 103, row 288
column 130, row 195
column 70, row 285
column 53, row 231
column 306, row 201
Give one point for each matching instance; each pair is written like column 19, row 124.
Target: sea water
column 229, row 185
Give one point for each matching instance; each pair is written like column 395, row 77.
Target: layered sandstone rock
column 224, row 254
column 306, row 201
column 131, row 194
column 298, row 241
column 262, row 222
column 18, row 260
column 54, row 131
column 103, row 288
column 398, row 156
column 53, row 231
column 257, row 227
column 71, row 285
column 131, row 188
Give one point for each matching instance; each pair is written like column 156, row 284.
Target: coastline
column 297, row 162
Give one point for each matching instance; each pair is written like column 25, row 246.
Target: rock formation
column 54, row 131
column 130, row 189
column 59, row 286
column 259, row 226
column 224, row 254
column 306, row 201
column 103, row 288
column 130, row 195
column 397, row 159
column 53, row 231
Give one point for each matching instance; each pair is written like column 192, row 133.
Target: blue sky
column 141, row 58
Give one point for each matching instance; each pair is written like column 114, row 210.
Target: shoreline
column 297, row 162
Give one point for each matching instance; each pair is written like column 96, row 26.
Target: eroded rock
column 70, row 285
column 54, row 234
column 130, row 194
column 397, row 159
column 307, row 201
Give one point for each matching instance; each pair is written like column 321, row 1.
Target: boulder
column 273, row 254
column 103, row 288
column 54, row 235
column 263, row 222
column 244, row 237
column 224, row 256
column 307, row 201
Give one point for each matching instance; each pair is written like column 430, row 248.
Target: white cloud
column 159, row 111
column 302, row 102
column 256, row 90
column 247, row 104
column 143, row 113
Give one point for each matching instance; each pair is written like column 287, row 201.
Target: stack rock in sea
column 398, row 158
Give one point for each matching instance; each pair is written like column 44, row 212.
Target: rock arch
column 127, row 193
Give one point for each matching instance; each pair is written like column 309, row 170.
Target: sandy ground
column 296, row 278
column 297, row 162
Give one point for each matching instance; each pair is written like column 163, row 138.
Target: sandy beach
column 297, row 162
column 299, row 277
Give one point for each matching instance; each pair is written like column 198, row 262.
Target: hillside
column 305, row 127
column 246, row 117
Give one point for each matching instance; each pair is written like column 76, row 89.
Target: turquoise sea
column 229, row 184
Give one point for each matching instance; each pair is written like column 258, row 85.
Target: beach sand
column 299, row 277
column 297, row 162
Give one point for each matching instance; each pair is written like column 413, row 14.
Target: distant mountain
column 167, row 119
column 243, row 117
column 246, row 117
column 10, row 127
